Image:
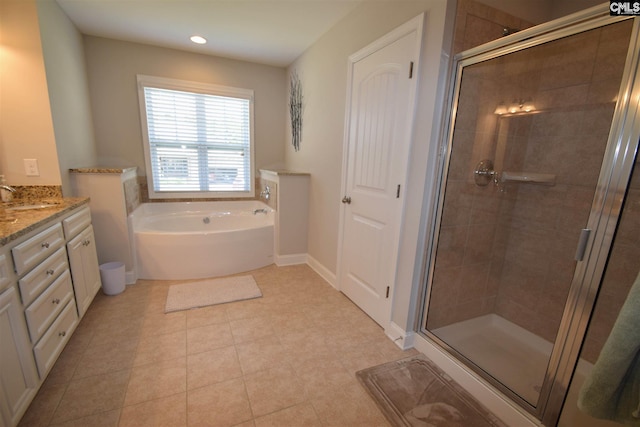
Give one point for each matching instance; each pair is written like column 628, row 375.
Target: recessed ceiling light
column 198, row 39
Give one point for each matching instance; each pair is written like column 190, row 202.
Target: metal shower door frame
column 617, row 164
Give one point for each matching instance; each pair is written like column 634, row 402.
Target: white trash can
column 112, row 276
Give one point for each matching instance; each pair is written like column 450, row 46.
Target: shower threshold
column 509, row 353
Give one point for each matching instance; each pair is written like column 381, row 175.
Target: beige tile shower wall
column 567, row 139
column 464, row 283
column 510, row 249
column 462, row 289
column 477, row 23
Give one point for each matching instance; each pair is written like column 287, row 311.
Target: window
column 198, row 139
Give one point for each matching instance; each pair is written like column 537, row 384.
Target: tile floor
column 286, row 359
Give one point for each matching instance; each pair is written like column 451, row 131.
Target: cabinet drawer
column 54, row 340
column 76, row 222
column 37, row 280
column 5, row 271
column 29, row 253
column 46, row 308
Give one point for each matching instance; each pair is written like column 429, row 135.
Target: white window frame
column 195, row 87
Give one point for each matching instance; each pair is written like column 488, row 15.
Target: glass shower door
column 528, row 136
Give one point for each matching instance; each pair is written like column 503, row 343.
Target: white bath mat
column 184, row 296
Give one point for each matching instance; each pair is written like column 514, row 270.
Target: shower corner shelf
column 484, row 174
column 529, row 177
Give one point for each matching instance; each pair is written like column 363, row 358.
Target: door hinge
column 398, row 192
column 411, row 70
column 387, row 292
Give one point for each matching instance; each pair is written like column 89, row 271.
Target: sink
column 30, row 207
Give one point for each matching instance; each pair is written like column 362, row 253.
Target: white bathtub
column 194, row 240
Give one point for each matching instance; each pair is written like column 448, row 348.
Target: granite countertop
column 284, row 172
column 103, row 169
column 14, row 224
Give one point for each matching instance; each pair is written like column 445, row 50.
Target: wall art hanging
column 295, row 110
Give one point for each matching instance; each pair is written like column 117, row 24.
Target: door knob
column 346, row 200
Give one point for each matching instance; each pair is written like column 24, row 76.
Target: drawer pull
column 50, row 272
column 45, row 245
column 86, row 242
column 62, row 334
column 56, row 301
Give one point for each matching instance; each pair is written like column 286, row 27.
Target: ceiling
column 273, row 32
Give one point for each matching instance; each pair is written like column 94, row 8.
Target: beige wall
column 323, row 72
column 112, row 68
column 68, row 90
column 27, row 128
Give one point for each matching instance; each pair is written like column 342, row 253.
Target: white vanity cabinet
column 44, row 291
column 45, row 287
column 84, row 268
column 6, row 272
column 18, row 377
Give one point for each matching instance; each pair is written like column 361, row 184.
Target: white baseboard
column 506, row 410
column 401, row 338
column 323, row 271
column 294, row 259
column 130, row 277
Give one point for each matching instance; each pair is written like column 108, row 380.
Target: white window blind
column 198, row 141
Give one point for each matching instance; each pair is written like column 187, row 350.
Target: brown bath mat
column 415, row 392
column 185, row 296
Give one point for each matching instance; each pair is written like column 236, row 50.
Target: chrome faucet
column 264, row 211
column 266, row 193
column 6, row 197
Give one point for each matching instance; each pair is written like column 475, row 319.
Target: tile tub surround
column 250, row 363
column 143, row 193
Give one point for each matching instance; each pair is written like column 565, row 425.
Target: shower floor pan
column 509, row 353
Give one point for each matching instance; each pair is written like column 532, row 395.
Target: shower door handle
column 582, row 244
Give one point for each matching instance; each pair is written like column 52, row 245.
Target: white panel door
column 380, row 118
